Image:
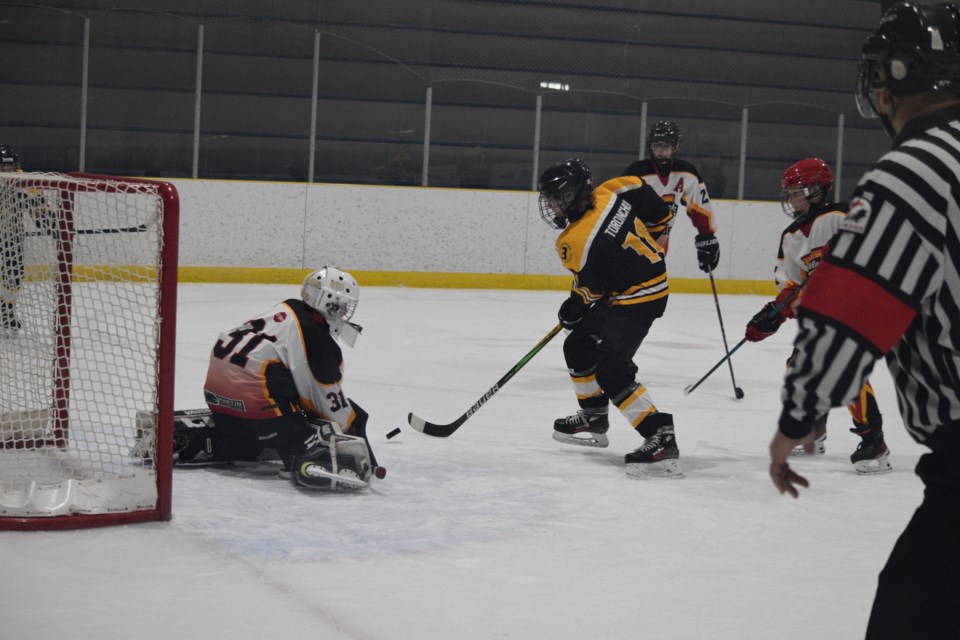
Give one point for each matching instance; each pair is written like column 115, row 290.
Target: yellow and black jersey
column 614, row 258
column 682, row 186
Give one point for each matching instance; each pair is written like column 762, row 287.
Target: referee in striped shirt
column 890, row 286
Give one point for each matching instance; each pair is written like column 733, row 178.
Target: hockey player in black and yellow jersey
column 619, row 289
column 678, row 183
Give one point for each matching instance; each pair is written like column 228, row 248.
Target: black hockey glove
column 571, row 312
column 708, row 251
column 764, row 324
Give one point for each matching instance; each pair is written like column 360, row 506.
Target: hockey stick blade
column 436, row 430
column 773, row 312
column 445, row 430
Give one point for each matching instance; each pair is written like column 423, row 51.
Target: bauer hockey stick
column 444, row 430
column 776, row 309
column 737, row 391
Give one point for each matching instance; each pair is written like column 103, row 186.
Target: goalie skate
column 582, row 429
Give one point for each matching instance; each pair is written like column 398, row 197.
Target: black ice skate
column 584, row 429
column 872, row 454
column 658, row 456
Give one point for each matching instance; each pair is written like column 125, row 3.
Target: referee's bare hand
column 785, row 479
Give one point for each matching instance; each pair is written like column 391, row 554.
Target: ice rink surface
column 496, row 531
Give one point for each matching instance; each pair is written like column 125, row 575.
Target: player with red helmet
column 803, row 197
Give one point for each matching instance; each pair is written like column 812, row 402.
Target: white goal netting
column 80, row 343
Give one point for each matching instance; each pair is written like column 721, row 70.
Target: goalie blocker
column 328, row 459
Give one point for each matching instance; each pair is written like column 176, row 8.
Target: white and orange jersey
column 279, row 363
column 681, row 187
column 802, row 246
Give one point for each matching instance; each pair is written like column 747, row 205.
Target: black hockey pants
column 605, row 341
column 917, row 589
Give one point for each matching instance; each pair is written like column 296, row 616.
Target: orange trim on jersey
column 859, row 304
column 698, row 216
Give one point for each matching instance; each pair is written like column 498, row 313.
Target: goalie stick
column 445, row 430
column 689, row 388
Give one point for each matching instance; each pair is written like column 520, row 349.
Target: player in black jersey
column 619, row 289
column 890, row 287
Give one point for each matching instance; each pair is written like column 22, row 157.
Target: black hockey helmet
column 9, row 160
column 566, row 192
column 664, row 132
column 918, row 47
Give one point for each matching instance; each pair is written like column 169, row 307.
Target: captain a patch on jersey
column 858, row 215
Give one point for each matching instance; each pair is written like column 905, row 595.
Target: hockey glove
column 764, row 324
column 708, row 251
column 571, row 312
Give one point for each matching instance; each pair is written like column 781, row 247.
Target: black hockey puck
column 393, row 433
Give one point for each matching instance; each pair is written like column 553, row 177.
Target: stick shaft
column 723, row 333
column 776, row 309
column 444, row 430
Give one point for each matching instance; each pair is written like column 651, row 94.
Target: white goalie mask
column 334, row 294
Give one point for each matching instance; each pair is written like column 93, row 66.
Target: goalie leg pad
column 191, row 436
column 330, row 461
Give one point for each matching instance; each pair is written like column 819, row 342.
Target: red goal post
column 88, row 286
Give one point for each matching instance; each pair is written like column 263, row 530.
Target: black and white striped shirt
column 889, row 286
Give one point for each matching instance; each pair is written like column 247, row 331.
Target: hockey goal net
column 87, row 332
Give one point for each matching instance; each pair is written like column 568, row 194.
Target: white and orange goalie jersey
column 282, row 362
